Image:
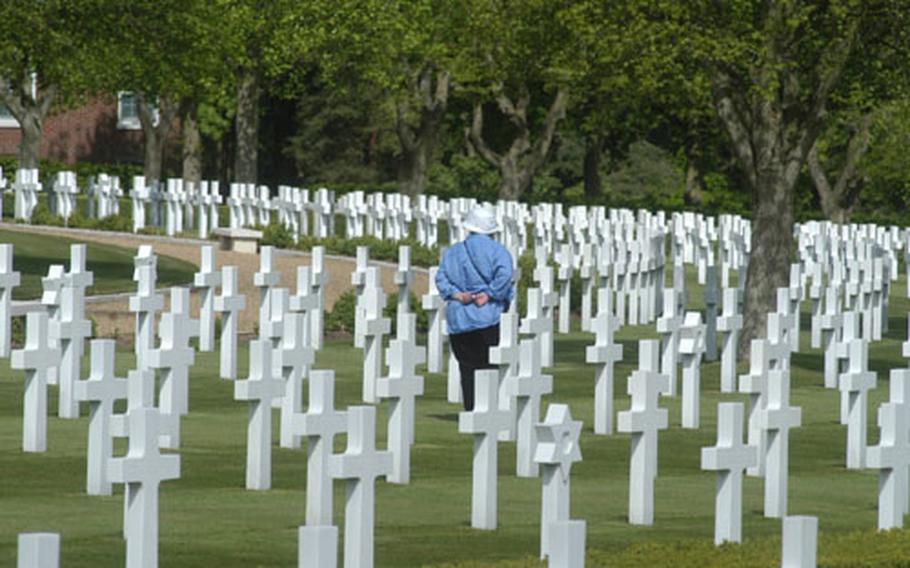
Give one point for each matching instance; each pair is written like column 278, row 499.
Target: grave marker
column 230, row 303
column 557, row 449
column 777, row 419
column 36, row 358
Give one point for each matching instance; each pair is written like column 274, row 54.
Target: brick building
column 106, row 130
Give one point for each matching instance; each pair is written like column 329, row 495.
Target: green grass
column 33, row 253
column 209, row 519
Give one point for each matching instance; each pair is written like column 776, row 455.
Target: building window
column 6, row 118
column 127, row 111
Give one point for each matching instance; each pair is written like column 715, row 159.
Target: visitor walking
column 475, row 279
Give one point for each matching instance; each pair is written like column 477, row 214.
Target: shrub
column 341, row 317
column 277, row 235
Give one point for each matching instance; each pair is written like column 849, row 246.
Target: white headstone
column 643, row 420
column 691, row 350
column 891, row 457
column 729, row 458
column 856, row 384
column 36, row 358
column 262, row 386
column 799, row 542
column 207, row 280
column 9, row 279
column 321, row 423
column 527, row 389
column 174, row 356
column 294, row 356
column 434, row 306
column 38, row 550
column 668, row 326
column 101, row 391
column 145, row 303
column 729, row 323
column 777, row 419
column 605, row 353
column 360, row 465
column 485, row 422
column 374, row 328
column 317, row 547
column 229, row 304
column 320, row 279
column 142, row 470
column 557, row 449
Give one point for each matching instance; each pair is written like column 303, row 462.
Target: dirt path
column 113, row 317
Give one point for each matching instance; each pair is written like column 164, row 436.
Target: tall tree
column 513, row 59
column 171, row 70
column 49, row 57
column 774, row 67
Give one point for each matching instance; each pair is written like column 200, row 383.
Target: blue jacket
column 477, row 264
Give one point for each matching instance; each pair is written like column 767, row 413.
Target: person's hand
column 481, row 298
column 463, row 297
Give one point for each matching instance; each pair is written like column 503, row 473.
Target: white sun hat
column 481, row 220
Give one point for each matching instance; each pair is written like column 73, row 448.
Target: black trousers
column 472, row 350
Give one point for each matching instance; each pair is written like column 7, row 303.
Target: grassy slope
column 34, row 253
column 207, row 518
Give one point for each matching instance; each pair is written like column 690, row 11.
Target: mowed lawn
column 112, row 266
column 209, row 519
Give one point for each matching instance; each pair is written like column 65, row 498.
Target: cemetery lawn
column 112, row 265
column 209, row 519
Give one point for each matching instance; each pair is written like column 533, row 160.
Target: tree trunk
column 246, row 158
column 192, row 146
column 693, row 195
column 155, row 130
column 592, row 163
column 431, row 88
column 838, row 201
column 29, row 106
column 521, row 162
column 32, row 126
column 769, row 261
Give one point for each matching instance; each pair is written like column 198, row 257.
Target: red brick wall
column 88, row 133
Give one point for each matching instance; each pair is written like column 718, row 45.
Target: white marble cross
column 9, row 279
column 145, row 303
column 403, row 278
column 142, row 470
column 755, row 384
column 51, row 297
column 527, row 389
column 587, row 273
column 856, row 383
column 850, row 331
column 799, row 542
column 174, row 356
column 564, row 277
column 557, row 449
column 796, row 294
column 262, row 386
column 892, row 457
column 401, row 387
column 359, row 281
column 317, row 546
column 899, row 393
column 729, row 458
column 319, row 282
column 360, row 465
column 668, row 326
column 36, row 358
column 485, row 422
column 506, row 355
column 829, row 324
column 816, row 290
column 777, row 419
column 293, row 357
column 605, row 353
column 266, row 280
column 320, row 424
column 101, row 391
column 38, row 550
column 207, row 280
column 229, row 304
column 71, row 329
column 730, row 322
column 543, row 275
column 374, row 328
column 643, row 420
column 434, row 306
column 691, row 350
column 536, row 322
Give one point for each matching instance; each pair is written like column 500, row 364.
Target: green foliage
column 416, row 307
column 276, row 235
column 380, row 249
column 343, row 313
column 464, row 175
